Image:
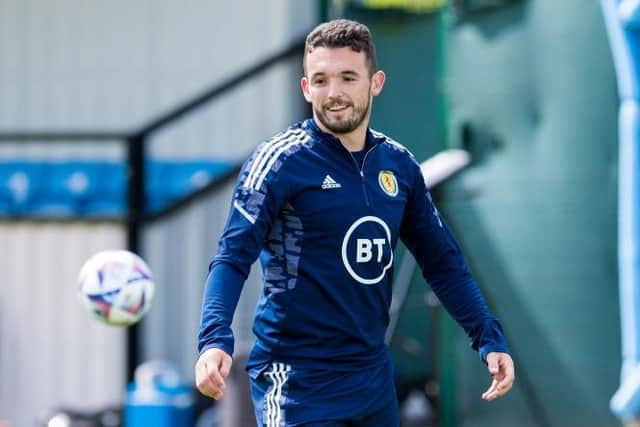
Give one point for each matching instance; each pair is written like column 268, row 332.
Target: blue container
column 157, row 398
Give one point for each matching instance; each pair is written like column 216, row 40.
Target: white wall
column 52, row 354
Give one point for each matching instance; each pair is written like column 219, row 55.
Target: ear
column 377, row 82
column 304, row 84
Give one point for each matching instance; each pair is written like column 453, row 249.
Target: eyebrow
column 342, row 73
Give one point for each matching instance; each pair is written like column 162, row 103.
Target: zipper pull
column 362, row 174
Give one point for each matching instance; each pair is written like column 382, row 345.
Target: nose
column 334, row 89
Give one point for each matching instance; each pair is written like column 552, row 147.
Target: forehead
column 335, row 60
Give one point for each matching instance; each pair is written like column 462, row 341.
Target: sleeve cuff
column 226, row 349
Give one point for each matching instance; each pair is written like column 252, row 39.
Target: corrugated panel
column 117, row 64
column 52, row 353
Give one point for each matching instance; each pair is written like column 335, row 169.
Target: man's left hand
column 501, row 368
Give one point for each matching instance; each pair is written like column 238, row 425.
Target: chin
column 342, row 130
column 341, row 124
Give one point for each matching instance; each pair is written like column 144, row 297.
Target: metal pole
column 135, row 215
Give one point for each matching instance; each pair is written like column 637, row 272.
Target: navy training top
column 325, row 227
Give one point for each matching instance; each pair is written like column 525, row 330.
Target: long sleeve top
column 325, row 226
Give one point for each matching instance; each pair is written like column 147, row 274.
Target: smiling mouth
column 337, row 108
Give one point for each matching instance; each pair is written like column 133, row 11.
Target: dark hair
column 343, row 33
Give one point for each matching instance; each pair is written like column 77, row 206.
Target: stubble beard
column 345, row 125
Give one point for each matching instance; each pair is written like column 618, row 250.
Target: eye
column 349, row 79
column 319, row 81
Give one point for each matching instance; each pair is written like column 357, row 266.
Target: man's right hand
column 212, row 368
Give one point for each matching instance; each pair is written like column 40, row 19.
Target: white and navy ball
column 116, row 287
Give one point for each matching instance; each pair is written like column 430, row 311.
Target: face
column 338, row 86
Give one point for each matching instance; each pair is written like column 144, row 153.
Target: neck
column 355, row 140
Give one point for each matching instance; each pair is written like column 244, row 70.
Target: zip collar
column 312, row 127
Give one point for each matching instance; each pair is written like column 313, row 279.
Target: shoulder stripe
column 244, row 212
column 267, row 149
column 284, row 147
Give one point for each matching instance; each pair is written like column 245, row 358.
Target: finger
column 491, row 391
column 493, row 366
column 225, row 366
column 214, row 374
column 203, row 383
column 498, row 388
column 491, row 396
column 506, row 383
column 511, row 372
column 506, row 376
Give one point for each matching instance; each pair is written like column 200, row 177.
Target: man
column 323, row 205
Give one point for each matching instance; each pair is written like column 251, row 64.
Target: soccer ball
column 116, row 287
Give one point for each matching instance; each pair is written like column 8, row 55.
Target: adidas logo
column 329, row 183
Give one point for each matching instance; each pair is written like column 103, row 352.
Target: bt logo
column 366, row 250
